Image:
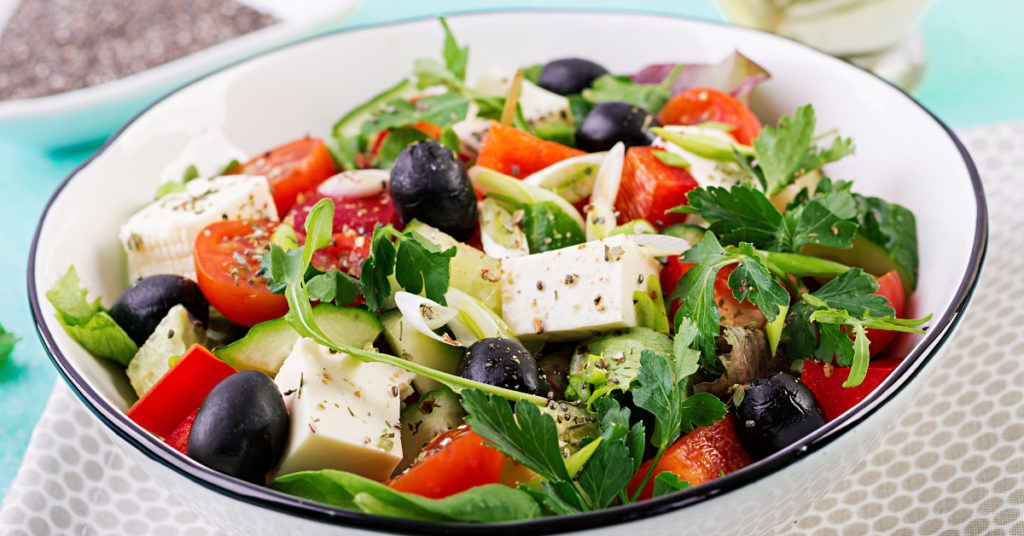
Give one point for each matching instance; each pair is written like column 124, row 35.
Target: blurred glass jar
column 875, row 34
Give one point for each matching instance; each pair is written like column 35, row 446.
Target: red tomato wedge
column 732, row 311
column 345, row 252
column 826, row 382
column 291, row 169
column 180, row 391
column 891, row 288
column 456, row 461
column 519, row 154
column 650, row 187
column 179, row 437
column 698, row 457
column 227, row 257
column 355, row 216
column 700, row 105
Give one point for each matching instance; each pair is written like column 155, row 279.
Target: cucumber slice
column 352, row 122
column 267, row 344
column 693, row 234
column 867, row 255
column 472, row 271
column 435, row 413
column 407, row 343
column 172, row 336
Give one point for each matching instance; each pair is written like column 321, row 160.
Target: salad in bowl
column 549, row 291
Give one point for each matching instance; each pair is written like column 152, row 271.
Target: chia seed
column 53, row 46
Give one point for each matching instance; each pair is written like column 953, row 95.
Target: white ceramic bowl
column 903, row 154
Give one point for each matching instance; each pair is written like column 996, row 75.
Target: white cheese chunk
column 160, row 237
column 344, row 412
column 705, row 171
column 575, row 292
column 539, row 105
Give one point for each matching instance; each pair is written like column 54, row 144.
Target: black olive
column 502, row 363
column 568, row 76
column 144, row 304
column 775, row 413
column 241, row 428
column 611, row 122
column 429, row 183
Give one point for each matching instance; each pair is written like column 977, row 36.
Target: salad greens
column 88, row 323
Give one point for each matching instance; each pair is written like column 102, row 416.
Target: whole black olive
column 502, row 363
column 241, row 428
column 611, row 122
column 775, row 413
column 568, row 76
column 429, row 183
column 144, row 304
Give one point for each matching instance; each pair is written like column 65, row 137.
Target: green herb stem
column 648, row 474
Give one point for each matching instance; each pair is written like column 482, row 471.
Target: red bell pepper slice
column 650, row 187
column 457, row 461
column 519, row 154
column 826, row 382
column 698, row 457
column 180, row 391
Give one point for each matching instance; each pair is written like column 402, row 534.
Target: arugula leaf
column 300, row 312
column 377, row 267
column 491, row 503
column 333, row 286
column 651, row 97
column 781, row 149
column 455, row 58
column 666, row 483
column 451, row 140
column 854, row 292
column 396, row 142
column 441, row 110
column 529, row 437
column 7, row 342
column 88, row 323
column 894, row 228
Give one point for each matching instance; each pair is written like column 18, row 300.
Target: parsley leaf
column 396, row 142
column 894, row 228
column 377, row 267
column 824, row 220
column 421, row 266
column 528, row 437
column 751, row 281
column 7, row 342
column 333, row 286
column 607, row 472
column 666, row 483
column 697, row 289
column 780, row 150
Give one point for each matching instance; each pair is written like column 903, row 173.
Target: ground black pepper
column 52, row 46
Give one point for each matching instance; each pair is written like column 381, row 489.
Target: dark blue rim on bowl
column 158, row 451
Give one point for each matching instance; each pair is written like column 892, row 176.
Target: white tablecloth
column 954, row 464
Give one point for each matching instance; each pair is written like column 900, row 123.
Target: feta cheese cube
column 344, row 412
column 575, row 292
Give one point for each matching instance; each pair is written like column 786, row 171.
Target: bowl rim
column 150, row 446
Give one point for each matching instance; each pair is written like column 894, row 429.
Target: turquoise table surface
column 974, row 77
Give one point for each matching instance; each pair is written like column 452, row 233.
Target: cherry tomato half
column 456, row 461
column 227, row 257
column 291, row 169
column 699, row 105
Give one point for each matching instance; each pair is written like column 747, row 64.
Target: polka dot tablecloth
column 954, row 464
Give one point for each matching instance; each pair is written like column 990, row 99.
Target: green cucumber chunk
column 435, row 413
column 352, row 122
column 472, row 271
column 411, row 345
column 267, row 344
column 693, row 234
column 175, row 333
